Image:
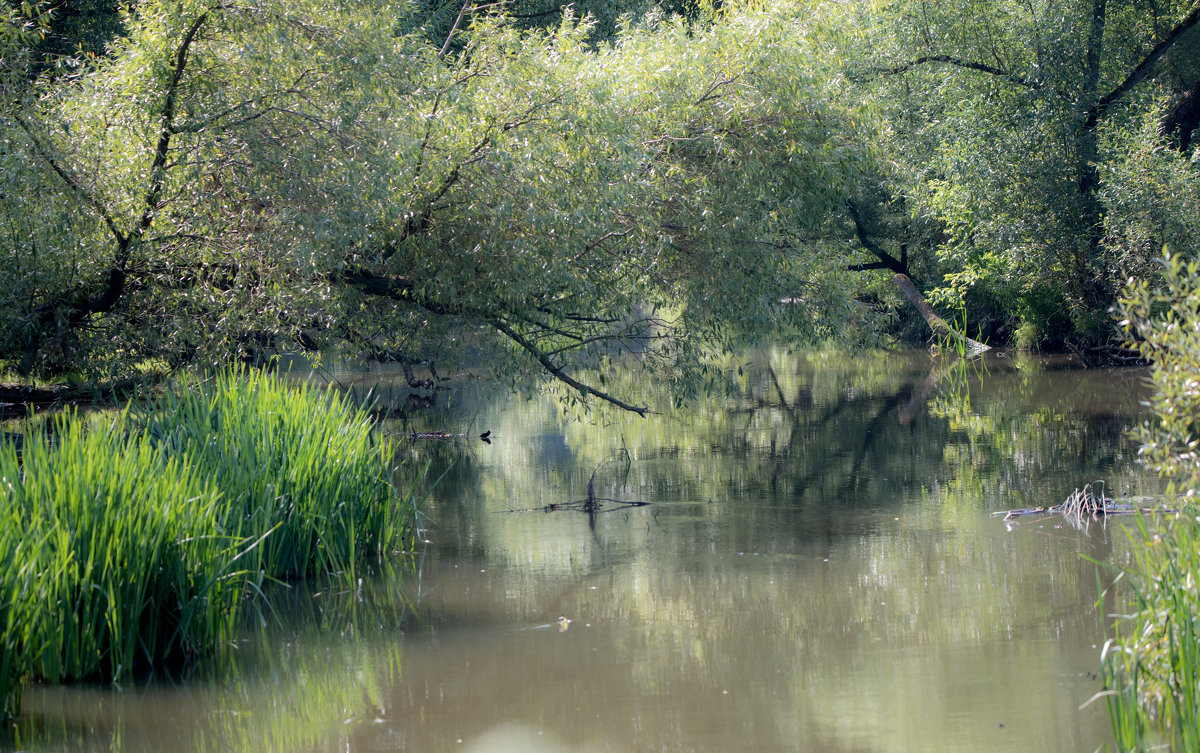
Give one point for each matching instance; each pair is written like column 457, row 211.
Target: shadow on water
column 817, row 571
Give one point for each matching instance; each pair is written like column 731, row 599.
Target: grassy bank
column 1152, row 665
column 133, row 540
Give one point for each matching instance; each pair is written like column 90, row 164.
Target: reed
column 112, row 557
column 1152, row 667
column 136, row 540
column 19, row 594
column 293, row 460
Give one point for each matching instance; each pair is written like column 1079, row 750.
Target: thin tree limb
column 400, row 288
column 558, row 373
column 957, row 63
column 461, row 12
column 71, row 182
column 1143, row 69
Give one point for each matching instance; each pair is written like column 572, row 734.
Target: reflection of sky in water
column 818, row 571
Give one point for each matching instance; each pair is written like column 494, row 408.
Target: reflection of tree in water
column 867, row 443
column 798, row 445
column 839, row 441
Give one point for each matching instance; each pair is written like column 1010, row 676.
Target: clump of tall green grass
column 134, row 540
column 112, row 556
column 1152, row 668
column 293, row 460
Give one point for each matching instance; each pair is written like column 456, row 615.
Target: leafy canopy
column 316, row 174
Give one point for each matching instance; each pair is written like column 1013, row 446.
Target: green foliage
column 1152, row 198
column 1164, row 322
column 547, row 185
column 134, row 540
column 22, row 24
column 246, row 179
column 1153, row 665
column 1014, row 126
column 435, row 18
column 73, row 32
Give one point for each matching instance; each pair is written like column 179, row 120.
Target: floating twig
column 445, row 435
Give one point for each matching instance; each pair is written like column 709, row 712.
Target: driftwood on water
column 445, row 435
column 1085, row 503
column 591, row 504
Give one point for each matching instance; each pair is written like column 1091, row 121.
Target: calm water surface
column 817, row 570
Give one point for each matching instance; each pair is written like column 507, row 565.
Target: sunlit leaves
column 993, row 130
column 1151, row 663
column 652, row 194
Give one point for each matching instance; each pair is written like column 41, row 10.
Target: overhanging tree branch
column 558, row 373
column 166, row 129
column 957, row 63
column 82, row 307
column 71, row 182
column 401, row 288
column 886, row 260
column 461, row 12
column 906, row 285
column 1144, row 68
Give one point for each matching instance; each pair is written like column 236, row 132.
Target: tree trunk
column 1089, row 290
column 936, row 323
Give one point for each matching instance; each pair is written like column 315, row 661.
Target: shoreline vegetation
column 1151, row 666
column 140, row 540
column 544, row 187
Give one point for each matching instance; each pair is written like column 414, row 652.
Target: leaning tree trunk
column 939, row 325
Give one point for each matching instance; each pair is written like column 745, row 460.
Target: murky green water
column 817, row 570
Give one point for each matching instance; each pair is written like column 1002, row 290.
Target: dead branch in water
column 1085, row 503
column 445, row 435
column 591, row 505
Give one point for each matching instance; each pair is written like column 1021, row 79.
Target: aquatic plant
column 19, row 630
column 134, row 539
column 1151, row 669
column 290, row 459
column 318, row 683
column 113, row 557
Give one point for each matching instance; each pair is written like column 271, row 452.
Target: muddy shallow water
column 817, row 570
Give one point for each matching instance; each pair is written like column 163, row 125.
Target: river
column 816, row 569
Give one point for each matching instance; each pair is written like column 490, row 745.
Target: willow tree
column 1003, row 119
column 313, row 174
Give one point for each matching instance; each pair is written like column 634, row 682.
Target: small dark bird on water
column 486, row 436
